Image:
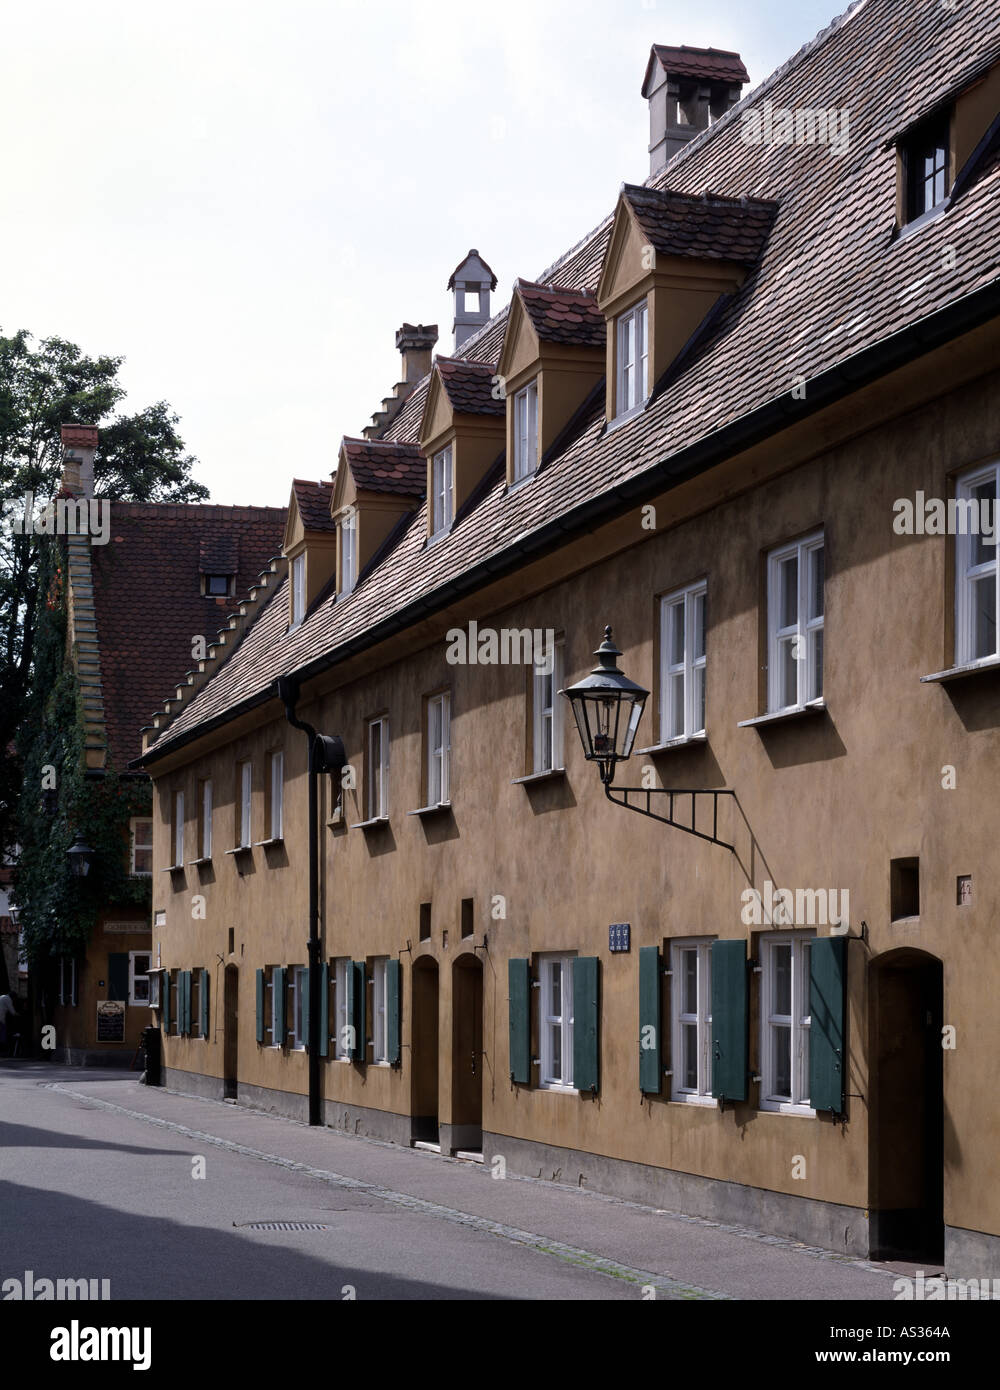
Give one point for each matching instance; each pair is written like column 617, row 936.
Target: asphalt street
column 103, row 1178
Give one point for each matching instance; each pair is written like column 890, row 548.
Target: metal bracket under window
column 620, row 796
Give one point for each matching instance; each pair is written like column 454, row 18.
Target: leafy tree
column 140, row 458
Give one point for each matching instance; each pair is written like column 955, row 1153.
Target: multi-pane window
column 380, row 1014
column 378, row 768
column 682, row 663
column 526, row 431
column 276, row 795
column 142, row 846
column 178, row 829
column 300, row 1004
column 977, row 572
column 691, row 1018
column 556, row 1021
column 205, row 818
column 67, row 980
column 442, row 492
column 547, row 710
column 784, row 1015
column 633, row 358
column 138, row 977
column 244, row 775
column 340, row 1012
column 274, row 1005
column 348, row 552
column 298, row 589
column 173, row 986
column 795, row 575
column 438, row 749
column 926, row 155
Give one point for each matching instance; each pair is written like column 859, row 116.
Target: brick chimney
column 688, row 89
column 472, row 282
column 79, row 443
column 415, row 342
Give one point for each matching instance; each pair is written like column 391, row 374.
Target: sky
column 246, row 200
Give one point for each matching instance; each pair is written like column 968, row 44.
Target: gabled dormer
column 310, row 545
column 670, row 257
column 552, row 358
column 461, row 436
column 377, row 483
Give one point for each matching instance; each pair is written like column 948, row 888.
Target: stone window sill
column 783, row 716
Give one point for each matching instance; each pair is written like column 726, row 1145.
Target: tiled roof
column 313, row 501
column 832, row 281
column 703, row 225
column 561, row 315
column 704, row 64
column 462, row 262
column 387, row 466
column 469, row 386
column 218, row 554
column 147, row 600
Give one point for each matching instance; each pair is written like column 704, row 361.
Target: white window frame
column 377, row 800
column 798, row 1022
column 348, row 553
column 969, row 573
column 632, row 359
column 547, row 717
column 525, row 432
column 276, row 782
column 134, row 824
column 439, row 754
column 195, row 1003
column 340, row 1011
column 380, row 1012
column 134, row 975
column 298, row 588
column 551, row 1024
column 803, row 633
column 245, row 790
column 701, row 1020
column 68, row 978
column 277, row 1035
column 178, row 830
column 442, row 492
column 689, row 667
column 205, row 848
column 298, row 976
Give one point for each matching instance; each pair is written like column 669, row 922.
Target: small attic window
column 526, row 431
column 298, row 589
column 926, row 157
column 442, row 493
column 632, row 329
column 348, row 554
column 218, row 585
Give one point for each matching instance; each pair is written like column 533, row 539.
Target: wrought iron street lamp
column 80, row 857
column 608, row 707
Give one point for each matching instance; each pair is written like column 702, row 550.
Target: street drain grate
column 281, row 1226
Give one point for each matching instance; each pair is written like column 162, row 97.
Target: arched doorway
column 424, row 1051
column 230, row 1031
column 906, row 1135
column 467, row 1053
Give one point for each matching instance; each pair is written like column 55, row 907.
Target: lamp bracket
column 621, row 796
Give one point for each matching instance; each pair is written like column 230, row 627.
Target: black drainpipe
column 325, row 755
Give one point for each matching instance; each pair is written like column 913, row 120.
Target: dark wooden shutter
column 260, row 1007
column 358, row 997
column 279, row 1005
column 730, row 1017
column 827, row 1008
column 118, row 975
column 185, row 1009
column 203, row 1003
column 393, row 1001
column 165, row 1002
column 586, row 990
column 519, row 995
column 324, row 1010
column 650, row 1051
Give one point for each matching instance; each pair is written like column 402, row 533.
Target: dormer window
column 348, row 554
column 442, row 492
column 218, row 585
column 633, row 358
column 926, row 160
column 298, row 589
column 526, row 432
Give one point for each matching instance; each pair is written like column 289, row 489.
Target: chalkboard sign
column 110, row 1021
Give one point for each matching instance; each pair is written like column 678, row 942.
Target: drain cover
column 281, row 1226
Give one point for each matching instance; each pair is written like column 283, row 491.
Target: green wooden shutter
column 118, row 975
column 324, row 1010
column 393, row 999
column 185, row 1009
column 358, row 998
column 586, row 1060
column 203, row 1003
column 730, row 1016
column 650, row 1052
column 827, row 1008
column 280, row 1006
column 519, row 995
column 165, row 1001
column 260, row 1007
